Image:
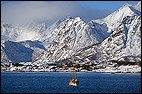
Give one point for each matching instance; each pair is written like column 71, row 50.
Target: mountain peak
column 138, row 6
column 78, row 18
column 69, row 17
column 126, row 5
column 129, row 8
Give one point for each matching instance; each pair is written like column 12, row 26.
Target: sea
column 57, row 82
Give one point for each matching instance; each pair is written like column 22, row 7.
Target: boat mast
column 73, row 70
column 73, row 76
column 73, row 82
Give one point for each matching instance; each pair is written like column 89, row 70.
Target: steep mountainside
column 123, row 42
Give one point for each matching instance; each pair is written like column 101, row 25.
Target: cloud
column 49, row 11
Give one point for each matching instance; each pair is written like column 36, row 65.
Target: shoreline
column 70, row 72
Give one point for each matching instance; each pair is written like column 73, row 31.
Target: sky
column 51, row 11
column 109, row 5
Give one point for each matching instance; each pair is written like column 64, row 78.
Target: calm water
column 54, row 82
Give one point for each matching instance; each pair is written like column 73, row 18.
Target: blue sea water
column 57, row 82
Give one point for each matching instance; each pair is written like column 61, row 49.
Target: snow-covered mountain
column 114, row 31
column 70, row 35
column 115, row 37
column 125, row 39
column 23, row 51
column 115, row 19
column 123, row 42
column 31, row 31
column 19, row 43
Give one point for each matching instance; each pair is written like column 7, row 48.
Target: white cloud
column 23, row 11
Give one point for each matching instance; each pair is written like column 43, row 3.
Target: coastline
column 70, row 72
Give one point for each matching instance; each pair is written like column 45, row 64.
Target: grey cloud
column 24, row 11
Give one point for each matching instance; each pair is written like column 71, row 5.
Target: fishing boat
column 73, row 81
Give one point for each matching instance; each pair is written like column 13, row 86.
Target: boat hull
column 73, row 83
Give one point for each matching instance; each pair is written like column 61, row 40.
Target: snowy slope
column 4, row 58
column 20, row 51
column 8, row 32
column 112, row 47
column 133, row 45
column 30, row 31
